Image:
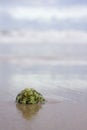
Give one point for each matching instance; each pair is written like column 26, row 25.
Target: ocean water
column 57, row 71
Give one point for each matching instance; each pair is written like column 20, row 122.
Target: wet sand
column 69, row 113
column 53, row 115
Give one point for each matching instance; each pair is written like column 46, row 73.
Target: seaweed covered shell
column 29, row 96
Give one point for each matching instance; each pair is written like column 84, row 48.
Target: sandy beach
column 43, row 46
column 64, row 87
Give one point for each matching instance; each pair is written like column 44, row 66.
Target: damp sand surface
column 52, row 115
column 65, row 92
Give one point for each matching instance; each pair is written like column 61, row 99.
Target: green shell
column 29, row 96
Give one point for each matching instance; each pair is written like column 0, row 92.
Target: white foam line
column 46, row 36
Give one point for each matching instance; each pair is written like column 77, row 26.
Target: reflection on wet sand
column 28, row 111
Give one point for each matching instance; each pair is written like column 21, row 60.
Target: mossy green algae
column 29, row 96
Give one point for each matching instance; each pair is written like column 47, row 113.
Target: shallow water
column 53, row 83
